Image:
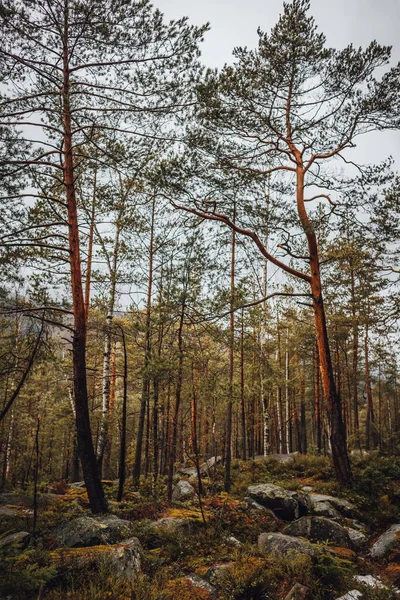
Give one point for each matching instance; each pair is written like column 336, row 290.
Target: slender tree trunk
column 371, row 433
column 242, row 398
column 105, row 420
column 228, row 440
column 287, row 400
column 122, row 450
column 178, row 392
column 87, row 455
column 90, row 247
column 147, row 355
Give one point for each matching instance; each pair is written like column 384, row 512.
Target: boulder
column 267, row 513
column 188, row 472
column 358, row 538
column 319, row 529
column 211, row 462
column 7, row 512
column 234, row 541
column 19, row 539
column 183, row 491
column 171, row 524
column 298, row 592
column 77, row 485
column 204, row 468
column 215, row 574
column 344, row 507
column 352, row 595
column 125, row 559
column 370, row 581
column 286, row 459
column 324, row 509
column 386, row 542
column 200, row 583
column 92, row 531
column 280, row 544
column 287, row 505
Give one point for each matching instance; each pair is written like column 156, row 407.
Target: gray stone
column 319, row 529
column 307, row 489
column 215, row 574
column 352, row 595
column 204, row 468
column 280, row 544
column 172, row 524
column 20, row 538
column 211, row 462
column 358, row 538
column 188, row 472
column 127, row 558
column 7, row 512
column 343, row 506
column 232, row 540
column 200, row 583
column 15, row 498
column 77, row 485
column 92, row 531
column 183, row 491
column 298, row 592
column 386, row 542
column 370, row 581
column 324, row 509
column 286, row 459
column 287, row 504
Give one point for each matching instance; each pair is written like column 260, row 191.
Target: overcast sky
column 235, row 23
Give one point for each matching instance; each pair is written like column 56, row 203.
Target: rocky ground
column 286, row 532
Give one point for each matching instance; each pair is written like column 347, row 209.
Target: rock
column 319, row 529
column 232, row 540
column 343, row 506
column 204, row 468
column 298, row 592
column 125, row 559
column 386, row 542
column 278, row 543
column 324, row 509
column 77, row 485
column 172, row 524
column 211, row 462
column 200, row 583
column 307, row 489
column 15, row 498
column 183, row 491
column 370, row 581
column 7, row 512
column 215, row 574
column 188, row 472
column 20, row 538
column 358, row 538
column 288, row 505
column 92, row 531
column 286, row 459
column 353, row 595
column 266, row 513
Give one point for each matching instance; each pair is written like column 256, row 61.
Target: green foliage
column 23, row 575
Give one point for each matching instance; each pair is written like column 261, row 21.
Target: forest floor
column 154, row 551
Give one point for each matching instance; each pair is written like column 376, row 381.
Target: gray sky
column 235, row 22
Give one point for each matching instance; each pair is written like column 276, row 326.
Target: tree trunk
column 333, row 403
column 147, row 355
column 87, row 455
column 228, row 440
column 122, row 450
